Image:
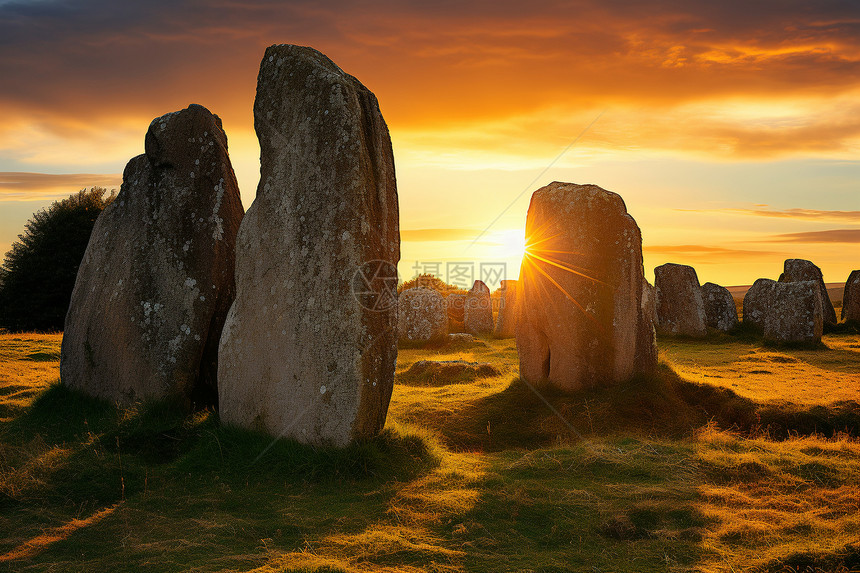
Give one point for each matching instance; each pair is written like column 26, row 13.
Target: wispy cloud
column 21, row 186
column 806, row 214
column 707, row 252
column 830, row 236
column 422, row 235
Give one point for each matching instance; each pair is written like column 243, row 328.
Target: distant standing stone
column 757, row 301
column 506, row 321
column 796, row 270
column 720, row 310
column 794, row 313
column 421, row 315
column 680, row 307
column 851, row 298
column 156, row 282
column 646, row 345
column 582, row 322
column 308, row 350
column 478, row 311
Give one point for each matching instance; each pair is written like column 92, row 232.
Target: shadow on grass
column 100, row 453
column 660, row 405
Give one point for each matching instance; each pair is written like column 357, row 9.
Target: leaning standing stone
column 851, row 298
column 582, row 323
column 795, row 313
column 156, row 282
column 478, row 311
column 421, row 315
column 720, row 310
column 796, row 270
column 506, row 321
column 309, row 347
column 680, row 307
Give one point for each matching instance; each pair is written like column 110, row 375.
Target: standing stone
column 156, row 282
column 421, row 315
column 851, row 298
column 796, row 270
column 506, row 321
column 581, row 322
column 478, row 311
column 309, row 346
column 680, row 307
column 646, row 343
column 720, row 310
column 794, row 313
column 757, row 300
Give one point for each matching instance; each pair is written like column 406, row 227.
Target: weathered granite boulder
column 309, row 346
column 156, row 282
column 797, row 270
column 506, row 321
column 422, row 315
column 794, row 313
column 581, row 322
column 720, row 310
column 851, row 298
column 680, row 307
column 478, row 310
column 757, row 300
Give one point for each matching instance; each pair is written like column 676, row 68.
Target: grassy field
column 733, row 457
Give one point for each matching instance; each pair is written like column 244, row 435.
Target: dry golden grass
column 477, row 475
column 767, row 374
column 28, row 364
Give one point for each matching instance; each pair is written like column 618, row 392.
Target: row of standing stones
column 795, row 308
column 286, row 317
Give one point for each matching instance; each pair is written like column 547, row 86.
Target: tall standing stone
column 478, row 311
column 721, row 312
column 757, row 300
column 309, row 346
column 156, row 282
column 421, row 315
column 581, row 322
column 851, row 298
column 680, row 307
column 797, row 270
column 794, row 313
column 506, row 321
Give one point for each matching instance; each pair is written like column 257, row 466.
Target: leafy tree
column 38, row 274
column 432, row 282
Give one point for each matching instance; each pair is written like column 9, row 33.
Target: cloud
column 16, row 186
column 804, row 214
column 424, row 235
column 831, row 236
column 444, row 61
column 707, row 253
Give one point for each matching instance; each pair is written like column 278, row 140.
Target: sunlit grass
column 766, row 374
column 477, row 475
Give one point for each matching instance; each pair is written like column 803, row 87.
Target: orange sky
column 731, row 129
